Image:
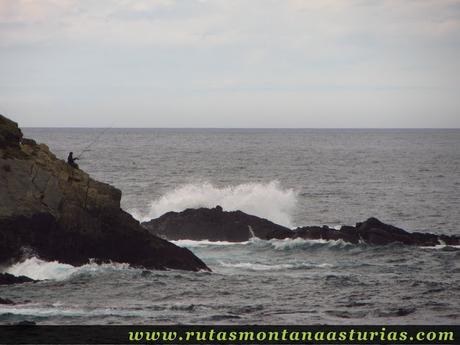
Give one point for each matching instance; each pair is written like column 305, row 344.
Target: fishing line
column 95, row 140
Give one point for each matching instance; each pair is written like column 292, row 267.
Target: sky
column 231, row 63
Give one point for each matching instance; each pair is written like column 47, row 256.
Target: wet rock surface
column 61, row 213
column 213, row 224
column 9, row 279
column 236, row 226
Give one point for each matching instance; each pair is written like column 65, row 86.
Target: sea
column 295, row 177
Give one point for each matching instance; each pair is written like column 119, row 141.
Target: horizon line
column 272, row 128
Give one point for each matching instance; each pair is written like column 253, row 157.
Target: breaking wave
column 204, row 243
column 50, row 311
column 266, row 200
column 38, row 269
column 286, row 244
column 300, row 243
column 278, row 267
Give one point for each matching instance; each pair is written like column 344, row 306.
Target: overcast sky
column 230, row 63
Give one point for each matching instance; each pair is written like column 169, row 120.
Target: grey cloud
column 231, row 63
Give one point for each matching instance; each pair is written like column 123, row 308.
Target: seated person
column 71, row 160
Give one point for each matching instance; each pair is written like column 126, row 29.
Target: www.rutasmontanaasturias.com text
column 289, row 336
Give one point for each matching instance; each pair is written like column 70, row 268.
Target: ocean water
column 409, row 178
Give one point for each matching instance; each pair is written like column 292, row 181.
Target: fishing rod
column 95, row 140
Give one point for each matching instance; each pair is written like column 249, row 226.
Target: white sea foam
column 267, row 200
column 204, row 243
column 46, row 311
column 36, row 268
column 276, row 244
column 440, row 246
column 298, row 243
column 278, row 267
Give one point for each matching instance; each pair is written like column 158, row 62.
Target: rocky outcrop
column 59, row 213
column 10, row 134
column 218, row 225
column 374, row 232
column 9, row 279
column 212, row 224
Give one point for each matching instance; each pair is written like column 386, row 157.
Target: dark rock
column 62, row 214
column 6, row 301
column 373, row 231
column 9, row 279
column 217, row 225
column 326, row 233
column 30, row 142
column 214, row 225
column 25, row 323
column 10, row 134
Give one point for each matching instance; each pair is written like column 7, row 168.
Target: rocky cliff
column 60, row 213
column 218, row 225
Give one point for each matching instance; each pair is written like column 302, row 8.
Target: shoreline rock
column 9, row 279
column 61, row 213
column 213, row 225
column 236, row 226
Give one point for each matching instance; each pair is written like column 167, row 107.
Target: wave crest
column 299, row 243
column 204, row 243
column 286, row 244
column 278, row 267
column 266, row 200
column 38, row 269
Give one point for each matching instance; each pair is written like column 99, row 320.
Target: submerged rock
column 8, row 279
column 212, row 224
column 61, row 213
column 218, row 225
column 6, row 301
column 25, row 323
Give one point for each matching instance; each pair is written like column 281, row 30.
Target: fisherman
column 71, row 160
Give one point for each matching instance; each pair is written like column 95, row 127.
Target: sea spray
column 286, row 244
column 205, row 243
column 292, row 244
column 253, row 266
column 38, row 269
column 251, row 232
column 266, row 200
